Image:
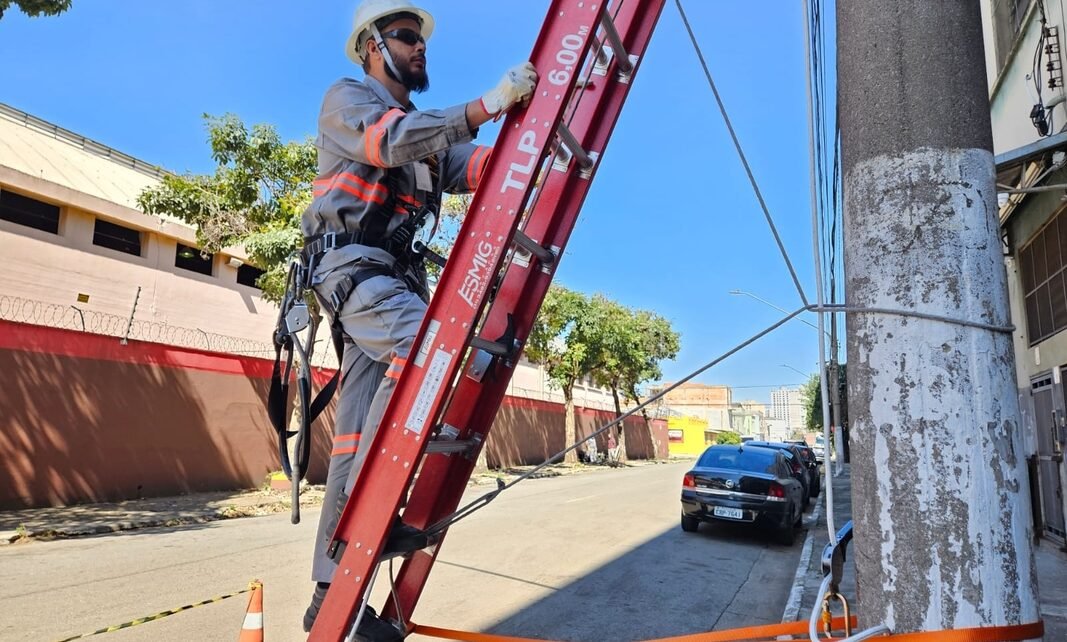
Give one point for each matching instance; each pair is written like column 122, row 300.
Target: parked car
column 807, row 472
column 812, row 463
column 819, row 448
column 743, row 483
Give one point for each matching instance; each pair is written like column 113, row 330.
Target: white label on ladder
column 431, row 335
column 431, row 383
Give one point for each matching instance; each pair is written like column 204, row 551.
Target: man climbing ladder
column 486, row 299
column 383, row 165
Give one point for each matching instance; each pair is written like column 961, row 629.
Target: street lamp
column 802, row 374
column 782, row 310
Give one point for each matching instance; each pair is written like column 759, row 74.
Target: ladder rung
column 492, row 347
column 585, row 161
column 543, row 254
column 450, row 446
column 624, row 64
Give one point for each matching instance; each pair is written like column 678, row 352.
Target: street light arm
column 766, row 302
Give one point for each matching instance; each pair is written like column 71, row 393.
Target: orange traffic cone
column 252, row 631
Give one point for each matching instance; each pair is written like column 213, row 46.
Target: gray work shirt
column 365, row 133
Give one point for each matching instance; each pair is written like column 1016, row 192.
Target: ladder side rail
column 442, row 481
column 443, row 338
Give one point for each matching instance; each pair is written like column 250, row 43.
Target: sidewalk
column 1051, row 567
column 18, row 526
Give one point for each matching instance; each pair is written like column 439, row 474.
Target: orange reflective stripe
column 342, row 438
column 352, row 178
column 352, row 184
column 410, row 200
column 392, row 374
column 355, row 191
column 343, row 450
column 476, row 164
column 372, row 138
column 482, row 163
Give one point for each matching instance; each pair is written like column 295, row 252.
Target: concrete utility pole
column 941, row 502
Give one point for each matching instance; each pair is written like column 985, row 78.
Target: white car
column 819, row 448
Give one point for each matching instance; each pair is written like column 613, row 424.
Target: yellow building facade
column 687, row 435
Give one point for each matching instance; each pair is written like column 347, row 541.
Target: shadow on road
column 677, row 583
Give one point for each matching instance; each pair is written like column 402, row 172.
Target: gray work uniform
column 377, row 161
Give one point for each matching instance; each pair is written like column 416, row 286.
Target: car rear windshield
column 751, row 459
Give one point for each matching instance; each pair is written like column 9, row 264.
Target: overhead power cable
column 741, row 154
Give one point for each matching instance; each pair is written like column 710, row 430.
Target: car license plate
column 732, row 513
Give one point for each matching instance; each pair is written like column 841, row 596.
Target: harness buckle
column 329, row 241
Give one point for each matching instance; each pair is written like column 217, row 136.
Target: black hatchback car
column 804, row 468
column 743, row 484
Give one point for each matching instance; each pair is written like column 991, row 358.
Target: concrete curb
column 796, row 594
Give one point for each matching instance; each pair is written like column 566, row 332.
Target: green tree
column 811, row 397
column 254, row 198
column 560, row 341
column 728, row 438
column 35, row 8
column 628, row 348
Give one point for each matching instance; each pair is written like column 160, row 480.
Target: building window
column 29, row 212
column 191, row 258
column 1041, row 266
column 247, row 275
column 117, row 237
column 1007, row 22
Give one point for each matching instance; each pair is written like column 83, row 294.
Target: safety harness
column 408, row 244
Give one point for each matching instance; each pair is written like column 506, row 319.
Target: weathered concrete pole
column 940, row 499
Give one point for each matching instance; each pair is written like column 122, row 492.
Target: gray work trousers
column 380, row 319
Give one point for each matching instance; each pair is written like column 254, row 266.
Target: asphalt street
column 590, row 557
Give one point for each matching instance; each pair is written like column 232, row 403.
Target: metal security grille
column 1041, row 264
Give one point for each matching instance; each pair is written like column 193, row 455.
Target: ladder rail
column 442, row 481
column 446, row 330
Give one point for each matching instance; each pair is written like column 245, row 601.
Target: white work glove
column 516, row 86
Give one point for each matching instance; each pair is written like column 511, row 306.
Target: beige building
column 1024, row 64
column 79, row 254
column 710, row 403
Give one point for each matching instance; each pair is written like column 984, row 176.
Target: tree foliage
column 254, row 198
column 35, row 8
column 728, row 438
column 811, row 397
column 628, row 347
column 560, row 341
column 576, row 336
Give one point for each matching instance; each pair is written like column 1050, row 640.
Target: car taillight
column 688, row 481
column 775, row 490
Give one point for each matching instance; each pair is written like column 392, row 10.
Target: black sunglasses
column 409, row 37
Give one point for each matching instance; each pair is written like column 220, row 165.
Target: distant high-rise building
column 786, row 405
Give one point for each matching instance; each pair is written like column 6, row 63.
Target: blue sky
column 671, row 223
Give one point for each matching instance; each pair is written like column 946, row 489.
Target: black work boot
column 312, row 611
column 402, row 538
column 371, row 628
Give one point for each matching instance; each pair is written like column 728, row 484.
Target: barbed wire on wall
column 72, row 317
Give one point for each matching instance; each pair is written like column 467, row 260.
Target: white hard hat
column 371, row 10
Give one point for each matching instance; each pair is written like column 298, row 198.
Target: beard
column 416, row 81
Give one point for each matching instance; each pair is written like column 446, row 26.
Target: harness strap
column 310, row 409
